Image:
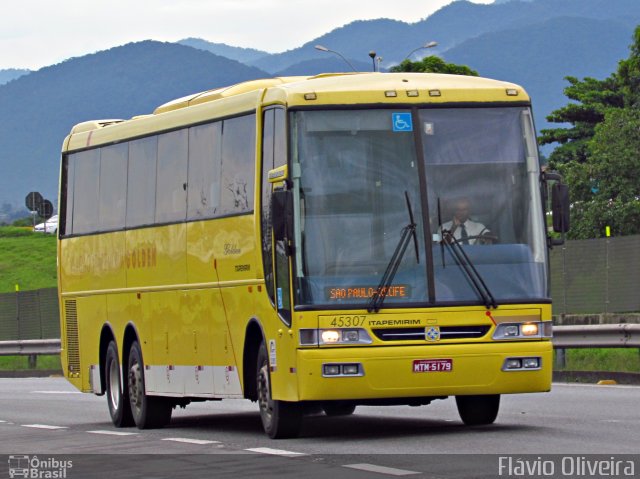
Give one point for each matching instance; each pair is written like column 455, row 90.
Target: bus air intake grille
column 418, row 334
column 73, row 350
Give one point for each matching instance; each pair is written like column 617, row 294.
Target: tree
column 592, row 99
column 433, row 64
column 599, row 154
column 629, row 74
column 615, row 155
column 612, row 171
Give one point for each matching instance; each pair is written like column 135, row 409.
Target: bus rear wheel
column 148, row 412
column 280, row 419
column 478, row 410
column 117, row 396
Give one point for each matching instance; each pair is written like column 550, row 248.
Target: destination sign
column 367, row 292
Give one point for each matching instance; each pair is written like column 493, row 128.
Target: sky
column 38, row 33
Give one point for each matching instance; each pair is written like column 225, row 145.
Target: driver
column 461, row 227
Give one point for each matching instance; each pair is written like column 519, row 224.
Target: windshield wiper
column 376, row 301
column 460, row 255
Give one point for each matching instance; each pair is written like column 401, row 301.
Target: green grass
column 27, row 259
column 19, row 363
column 603, row 359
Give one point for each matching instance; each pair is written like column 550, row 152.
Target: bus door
column 277, row 237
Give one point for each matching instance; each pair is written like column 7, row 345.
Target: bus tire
column 280, row 419
column 148, row 412
column 478, row 410
column 338, row 408
column 117, row 396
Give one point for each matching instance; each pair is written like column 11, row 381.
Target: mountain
column 39, row 109
column 354, row 41
column 450, row 26
column 539, row 56
column 243, row 55
column 330, row 64
column 535, row 43
column 11, row 74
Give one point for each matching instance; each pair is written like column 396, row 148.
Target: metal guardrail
column 30, row 347
column 564, row 337
column 597, row 336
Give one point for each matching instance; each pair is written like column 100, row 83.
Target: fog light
column 530, row 329
column 350, row 335
column 350, row 369
column 513, row 363
column 330, row 336
column 331, row 370
column 531, row 363
column 511, row 330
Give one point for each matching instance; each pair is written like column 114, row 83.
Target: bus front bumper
column 390, row 372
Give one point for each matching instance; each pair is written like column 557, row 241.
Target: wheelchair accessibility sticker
column 402, row 122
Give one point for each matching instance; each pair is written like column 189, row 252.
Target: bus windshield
column 471, row 177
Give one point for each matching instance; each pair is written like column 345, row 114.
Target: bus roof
column 301, row 91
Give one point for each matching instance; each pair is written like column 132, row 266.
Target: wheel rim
column 114, row 385
column 264, row 396
column 136, row 389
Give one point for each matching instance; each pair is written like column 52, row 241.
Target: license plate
column 432, row 365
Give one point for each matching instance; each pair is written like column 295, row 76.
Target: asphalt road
column 50, row 419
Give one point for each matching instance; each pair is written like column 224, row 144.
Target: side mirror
column 282, row 214
column 560, row 207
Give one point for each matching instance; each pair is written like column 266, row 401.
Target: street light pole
column 325, row 49
column 372, row 54
column 426, row 45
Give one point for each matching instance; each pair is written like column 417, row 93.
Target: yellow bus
column 309, row 243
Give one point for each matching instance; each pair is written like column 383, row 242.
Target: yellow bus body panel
column 388, row 372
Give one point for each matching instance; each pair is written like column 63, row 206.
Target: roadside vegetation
column 27, row 259
column 21, row 363
column 622, row 360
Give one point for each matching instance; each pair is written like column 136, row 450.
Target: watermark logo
column 33, row 467
column 566, row 466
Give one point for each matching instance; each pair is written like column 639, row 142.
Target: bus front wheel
column 148, row 412
column 280, row 419
column 117, row 396
column 478, row 410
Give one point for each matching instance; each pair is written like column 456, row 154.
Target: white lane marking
column 381, row 469
column 275, row 452
column 190, row 441
column 44, row 426
column 2, row 420
column 113, row 433
column 56, row 392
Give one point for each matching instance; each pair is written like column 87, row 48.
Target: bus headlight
column 319, row 337
column 539, row 329
column 330, row 336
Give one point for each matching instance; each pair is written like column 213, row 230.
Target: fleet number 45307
column 347, row 321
